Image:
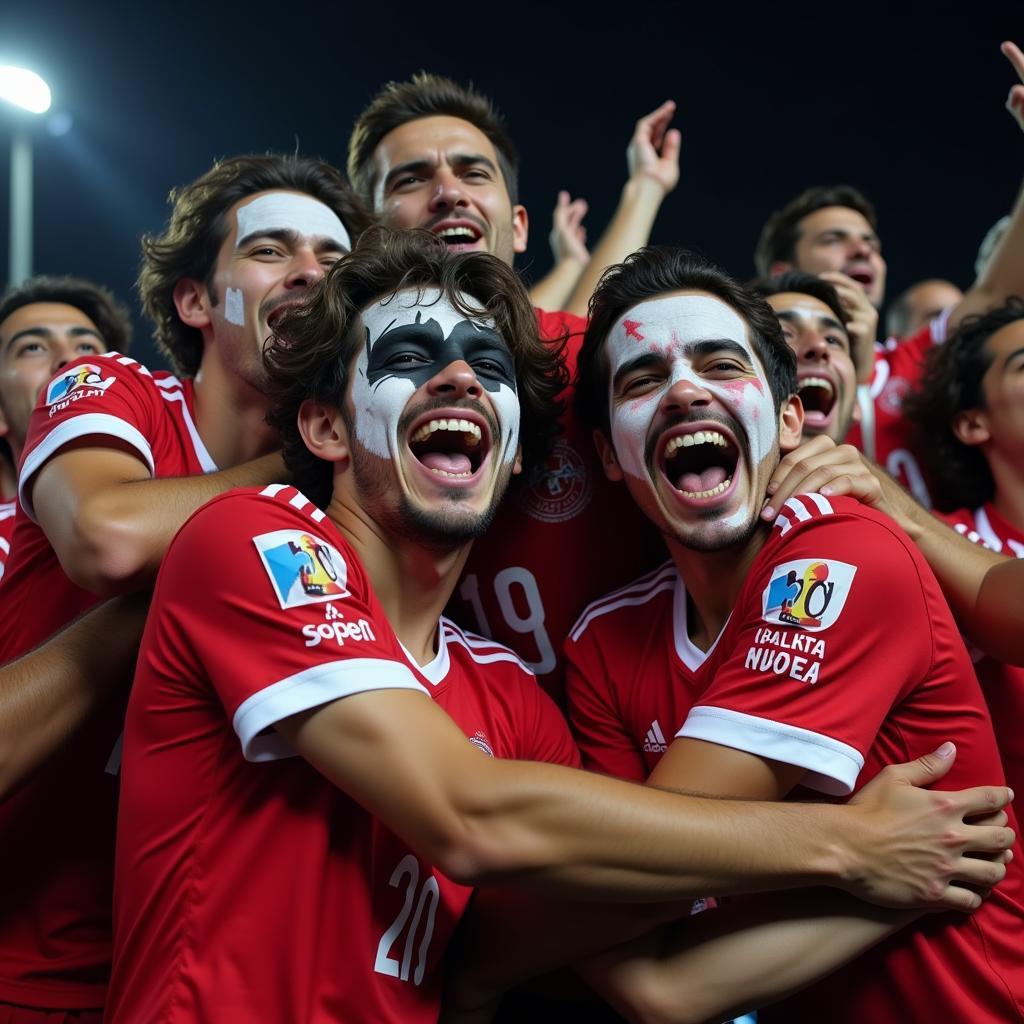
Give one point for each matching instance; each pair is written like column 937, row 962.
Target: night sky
column 903, row 100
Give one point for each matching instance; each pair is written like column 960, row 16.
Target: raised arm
column 49, row 692
column 568, row 240
column 653, row 160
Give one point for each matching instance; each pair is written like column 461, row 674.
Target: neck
column 1009, row 491
column 413, row 583
column 713, row 582
column 230, row 415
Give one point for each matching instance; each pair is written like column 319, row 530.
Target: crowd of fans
column 416, row 636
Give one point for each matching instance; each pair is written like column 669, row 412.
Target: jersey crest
column 808, row 593
column 302, row 568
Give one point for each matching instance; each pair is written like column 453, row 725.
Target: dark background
column 904, row 100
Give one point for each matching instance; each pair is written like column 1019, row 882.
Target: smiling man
column 326, row 886
column 814, row 325
column 116, row 458
column 431, row 153
column 770, row 653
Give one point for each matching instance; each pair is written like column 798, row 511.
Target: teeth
column 689, row 440
column 455, row 233
column 816, row 382
column 473, row 432
column 454, row 476
column 720, row 489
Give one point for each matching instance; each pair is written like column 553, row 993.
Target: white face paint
column 379, row 403
column 289, row 211
column 234, row 307
column 670, row 327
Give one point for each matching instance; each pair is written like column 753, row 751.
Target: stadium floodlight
column 24, row 89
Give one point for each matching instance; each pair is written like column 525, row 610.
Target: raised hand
column 653, row 152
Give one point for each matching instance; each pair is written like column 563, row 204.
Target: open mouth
column 700, row 465
column 864, row 276
column 819, row 399
column 458, row 233
column 453, row 448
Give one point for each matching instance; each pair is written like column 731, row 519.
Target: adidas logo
column 654, row 742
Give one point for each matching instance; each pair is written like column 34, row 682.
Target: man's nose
column 305, row 270
column 456, row 380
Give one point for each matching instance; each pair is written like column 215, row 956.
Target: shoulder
column 626, row 606
column 555, row 326
column 478, row 650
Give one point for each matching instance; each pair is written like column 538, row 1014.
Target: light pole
column 24, row 89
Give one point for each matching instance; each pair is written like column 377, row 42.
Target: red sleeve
column 820, row 653
column 274, row 615
column 547, row 737
column 102, row 396
column 604, row 740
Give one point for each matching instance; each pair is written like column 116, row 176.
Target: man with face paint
column 802, row 656
column 814, row 325
column 326, row 886
column 431, row 153
column 116, row 459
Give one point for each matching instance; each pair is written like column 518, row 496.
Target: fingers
column 819, row 465
column 653, row 125
column 925, row 770
column 980, row 800
column 1012, row 52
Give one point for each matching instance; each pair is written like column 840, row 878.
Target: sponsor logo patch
column 303, row 569
column 337, row 628
column 87, row 378
column 808, row 593
column 560, row 489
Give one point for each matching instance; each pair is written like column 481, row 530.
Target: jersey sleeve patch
column 302, row 568
column 86, row 380
column 808, row 593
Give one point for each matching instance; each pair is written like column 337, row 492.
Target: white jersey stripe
column 983, row 525
column 298, row 500
column 167, row 383
column 824, row 505
column 627, row 601
column 798, row 508
column 783, row 525
column 273, row 490
column 205, row 460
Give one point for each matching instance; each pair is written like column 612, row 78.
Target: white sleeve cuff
column 832, row 766
column 70, row 430
column 308, row 689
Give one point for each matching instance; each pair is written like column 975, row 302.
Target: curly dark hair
column 655, row 271
column 952, row 383
column 426, row 95
column 189, row 245
column 781, row 231
column 111, row 318
column 313, row 345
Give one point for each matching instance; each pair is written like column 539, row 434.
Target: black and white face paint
column 412, row 336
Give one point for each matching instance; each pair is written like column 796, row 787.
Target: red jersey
column 55, row 923
column 559, row 540
column 1002, row 684
column 840, row 656
column 7, row 510
column 883, row 432
column 248, row 886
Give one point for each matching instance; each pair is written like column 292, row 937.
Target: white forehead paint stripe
column 668, row 326
column 378, row 409
column 234, row 307
column 288, row 211
column 402, row 307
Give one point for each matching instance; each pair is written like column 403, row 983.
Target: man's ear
column 606, row 453
column 971, row 427
column 779, row 267
column 5, row 429
column 323, row 431
column 520, row 228
column 791, row 424
column 517, row 466
column 192, row 301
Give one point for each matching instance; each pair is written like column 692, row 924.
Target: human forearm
column 553, row 291
column 111, row 540
column 728, row 961
column 48, row 693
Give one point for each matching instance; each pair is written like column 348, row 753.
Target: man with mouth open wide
column 300, row 818
column 765, row 661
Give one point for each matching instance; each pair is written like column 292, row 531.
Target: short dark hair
column 313, row 344
column 197, row 228
column 950, row 384
column 804, row 284
column 781, row 231
column 426, row 95
column 653, row 271
column 111, row 317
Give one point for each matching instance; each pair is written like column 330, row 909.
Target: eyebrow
column 46, row 332
column 823, row 320
column 422, row 165
column 290, row 237
column 1010, row 358
column 695, row 349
